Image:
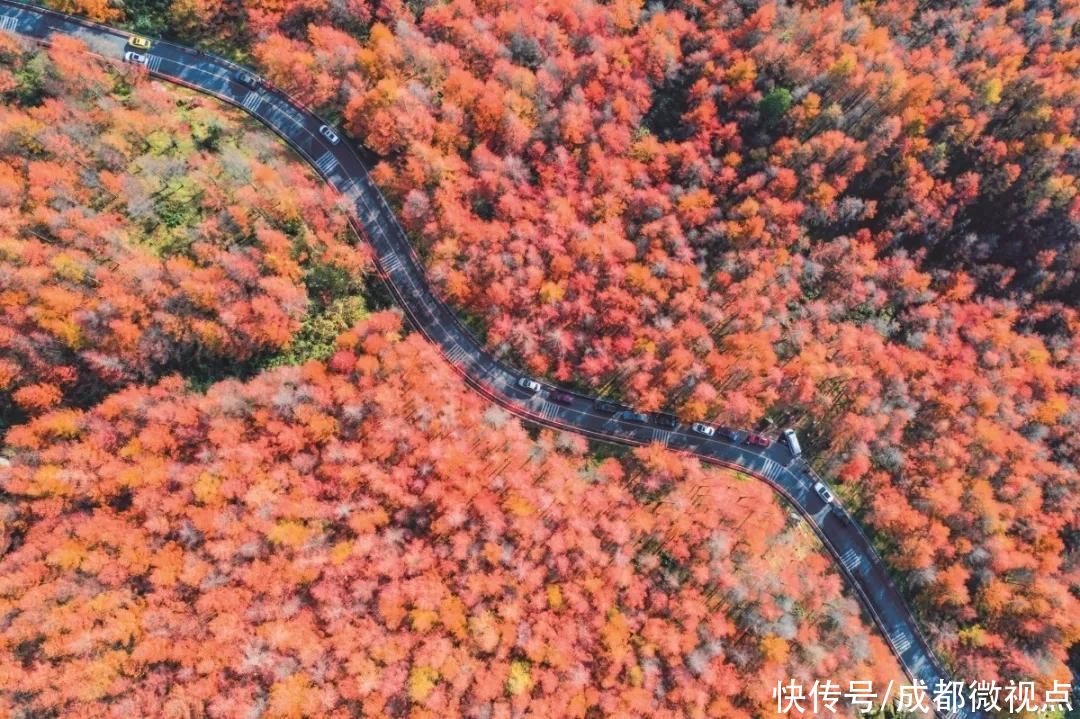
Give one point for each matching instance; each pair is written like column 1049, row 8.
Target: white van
column 792, row 442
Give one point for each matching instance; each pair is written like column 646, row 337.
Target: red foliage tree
column 371, row 535
column 134, row 254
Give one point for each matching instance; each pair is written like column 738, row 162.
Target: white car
column 329, row 134
column 134, row 58
column 792, row 441
column 824, row 492
column 705, row 429
column 529, row 385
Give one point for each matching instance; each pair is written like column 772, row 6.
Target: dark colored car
column 665, row 420
column 629, row 415
column 246, row 78
column 561, row 396
column 731, row 435
column 603, row 405
column 758, row 440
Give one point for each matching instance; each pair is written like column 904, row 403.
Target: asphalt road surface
column 373, row 219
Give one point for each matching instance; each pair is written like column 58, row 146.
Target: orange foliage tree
column 368, row 535
column 144, row 233
column 859, row 220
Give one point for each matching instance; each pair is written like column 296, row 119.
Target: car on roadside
column 529, row 385
column 561, row 396
column 706, row 430
column 246, row 79
column 665, row 420
column 135, row 58
column 140, row 42
column 792, row 441
column 629, row 415
column 824, row 493
column 731, row 435
column 757, row 440
column 607, row 407
column 329, row 134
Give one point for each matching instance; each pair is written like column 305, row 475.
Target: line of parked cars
column 664, row 419
column 669, row 421
column 241, row 76
column 139, row 43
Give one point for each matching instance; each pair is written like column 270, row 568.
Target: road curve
column 372, row 218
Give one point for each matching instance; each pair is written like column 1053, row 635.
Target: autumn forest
column 235, row 482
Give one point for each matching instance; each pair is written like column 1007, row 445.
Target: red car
column 757, row 440
column 561, row 396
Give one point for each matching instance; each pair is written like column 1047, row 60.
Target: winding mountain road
column 339, row 165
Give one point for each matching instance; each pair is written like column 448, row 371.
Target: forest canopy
column 366, row 535
column 857, row 219
column 145, row 231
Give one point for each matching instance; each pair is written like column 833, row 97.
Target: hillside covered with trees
column 353, row 532
column 143, row 231
column 366, row 537
column 860, row 222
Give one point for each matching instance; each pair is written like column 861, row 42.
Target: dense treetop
column 861, row 222
column 142, row 231
column 366, row 535
column 859, row 219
